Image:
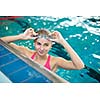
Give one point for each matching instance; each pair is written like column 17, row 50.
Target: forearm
column 8, row 39
column 78, row 63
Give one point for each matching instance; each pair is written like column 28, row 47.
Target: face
column 42, row 46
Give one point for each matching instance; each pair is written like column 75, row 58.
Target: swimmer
column 43, row 41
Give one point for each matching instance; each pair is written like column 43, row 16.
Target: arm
column 23, row 50
column 76, row 62
column 9, row 39
column 28, row 34
column 24, row 36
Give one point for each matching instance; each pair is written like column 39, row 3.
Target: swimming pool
column 83, row 34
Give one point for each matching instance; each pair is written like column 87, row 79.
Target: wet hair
column 42, row 33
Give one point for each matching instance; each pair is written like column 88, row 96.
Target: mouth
column 41, row 52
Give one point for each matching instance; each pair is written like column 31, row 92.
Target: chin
column 41, row 54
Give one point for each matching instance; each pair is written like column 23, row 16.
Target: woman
column 43, row 43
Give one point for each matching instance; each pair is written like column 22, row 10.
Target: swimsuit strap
column 47, row 64
column 33, row 55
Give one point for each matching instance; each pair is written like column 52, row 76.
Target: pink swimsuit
column 47, row 64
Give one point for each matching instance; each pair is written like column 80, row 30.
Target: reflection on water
column 83, row 34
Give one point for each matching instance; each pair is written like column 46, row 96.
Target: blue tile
column 36, row 77
column 10, row 68
column 1, row 47
column 28, row 75
column 3, row 52
column 38, row 80
column 7, row 59
column 19, row 76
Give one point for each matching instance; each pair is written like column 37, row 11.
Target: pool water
column 82, row 33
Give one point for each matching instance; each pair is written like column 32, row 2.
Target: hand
column 29, row 34
column 57, row 37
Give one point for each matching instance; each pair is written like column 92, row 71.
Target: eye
column 38, row 43
column 46, row 44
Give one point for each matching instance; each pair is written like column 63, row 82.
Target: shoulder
column 55, row 59
column 52, row 57
column 58, row 60
column 28, row 52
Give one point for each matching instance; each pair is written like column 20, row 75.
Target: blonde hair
column 43, row 32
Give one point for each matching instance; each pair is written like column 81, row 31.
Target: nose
column 41, row 47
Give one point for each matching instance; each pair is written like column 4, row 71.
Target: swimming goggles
column 48, row 37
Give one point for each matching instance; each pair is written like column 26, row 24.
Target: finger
column 53, row 35
column 32, row 32
column 33, row 38
column 31, row 29
column 53, row 40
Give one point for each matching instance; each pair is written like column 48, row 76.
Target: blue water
column 82, row 33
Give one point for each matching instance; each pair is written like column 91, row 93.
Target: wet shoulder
column 53, row 58
column 53, row 63
column 30, row 53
